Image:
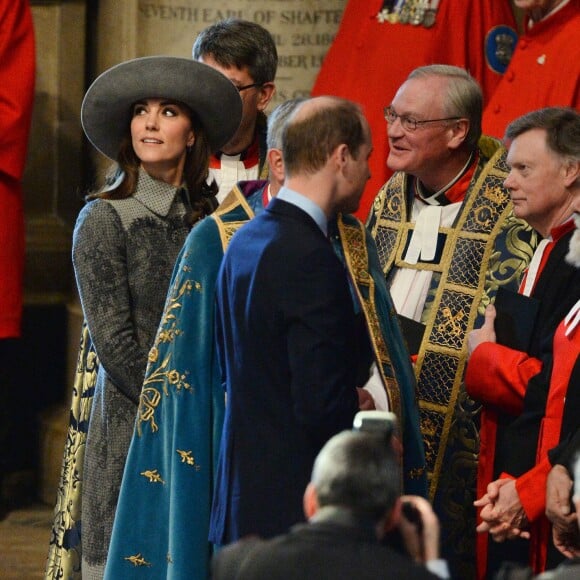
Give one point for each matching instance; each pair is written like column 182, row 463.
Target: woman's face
column 160, row 133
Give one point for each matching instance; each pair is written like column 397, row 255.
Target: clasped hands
column 502, row 513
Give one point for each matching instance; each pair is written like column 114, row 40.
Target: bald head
column 316, row 128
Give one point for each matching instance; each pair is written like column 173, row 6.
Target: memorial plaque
column 302, row 29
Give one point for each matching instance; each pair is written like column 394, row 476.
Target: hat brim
column 106, row 110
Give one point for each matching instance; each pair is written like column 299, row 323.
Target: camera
column 376, row 422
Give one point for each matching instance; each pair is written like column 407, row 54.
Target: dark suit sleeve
column 321, row 349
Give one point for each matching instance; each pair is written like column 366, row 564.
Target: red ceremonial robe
column 543, row 72
column 17, row 60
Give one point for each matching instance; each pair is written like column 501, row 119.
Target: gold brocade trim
column 355, row 254
column 65, row 562
column 265, row 172
column 453, row 307
column 234, row 199
column 406, row 230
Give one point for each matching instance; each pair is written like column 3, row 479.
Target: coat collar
column 157, row 196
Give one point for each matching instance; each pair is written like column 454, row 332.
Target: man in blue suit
column 294, row 334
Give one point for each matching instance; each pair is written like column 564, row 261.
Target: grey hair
column 359, row 471
column 277, row 120
column 464, row 97
column 562, row 127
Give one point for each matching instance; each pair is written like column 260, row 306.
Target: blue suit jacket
column 287, row 343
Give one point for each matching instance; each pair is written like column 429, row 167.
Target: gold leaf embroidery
column 152, row 475
column 137, row 560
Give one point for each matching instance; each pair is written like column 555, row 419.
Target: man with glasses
column 447, row 240
column 246, row 53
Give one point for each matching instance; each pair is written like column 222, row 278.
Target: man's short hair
column 562, row 127
column 277, row 120
column 464, row 97
column 308, row 140
column 358, row 471
column 239, row 43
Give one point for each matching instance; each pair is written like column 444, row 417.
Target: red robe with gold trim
column 369, row 60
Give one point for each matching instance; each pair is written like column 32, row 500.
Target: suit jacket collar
column 281, row 207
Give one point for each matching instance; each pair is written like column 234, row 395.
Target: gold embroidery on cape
column 164, row 375
column 451, row 312
column 152, row 475
column 151, row 397
column 137, row 560
column 188, row 458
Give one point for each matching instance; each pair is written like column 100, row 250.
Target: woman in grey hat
column 159, row 119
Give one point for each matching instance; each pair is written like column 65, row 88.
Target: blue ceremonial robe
column 161, row 525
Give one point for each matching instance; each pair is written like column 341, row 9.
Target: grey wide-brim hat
column 107, row 107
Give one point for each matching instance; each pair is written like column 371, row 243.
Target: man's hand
column 565, row 524
column 484, row 334
column 365, row 400
column 421, row 541
column 502, row 512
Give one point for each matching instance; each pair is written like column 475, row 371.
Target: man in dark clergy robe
column 447, row 239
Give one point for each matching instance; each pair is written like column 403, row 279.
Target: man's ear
column 341, row 156
column 267, row 91
column 276, row 165
column 459, row 130
column 571, row 170
column 310, row 501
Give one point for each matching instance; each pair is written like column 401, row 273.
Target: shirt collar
column 306, row 205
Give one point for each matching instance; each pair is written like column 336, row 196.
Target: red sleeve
column 497, row 375
column 531, row 488
column 17, row 70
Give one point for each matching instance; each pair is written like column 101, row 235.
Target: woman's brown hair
column 202, row 196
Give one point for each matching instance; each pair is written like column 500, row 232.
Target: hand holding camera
column 419, row 528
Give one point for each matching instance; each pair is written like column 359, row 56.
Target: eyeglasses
column 410, row 124
column 240, row 89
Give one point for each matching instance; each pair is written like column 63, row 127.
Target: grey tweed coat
column 123, row 255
